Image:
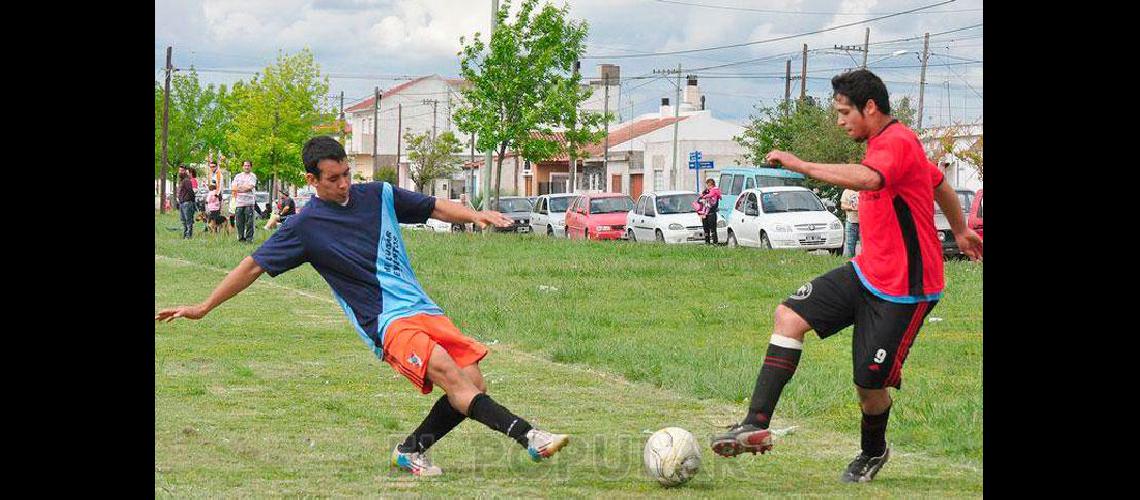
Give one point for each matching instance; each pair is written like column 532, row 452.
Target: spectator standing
column 241, row 189
column 849, row 202
column 711, row 198
column 186, row 204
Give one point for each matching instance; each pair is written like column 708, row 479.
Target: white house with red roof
column 421, row 105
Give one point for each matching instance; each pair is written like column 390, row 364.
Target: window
column 610, row 205
column 725, row 181
column 740, row 203
column 640, row 210
column 751, row 203
column 538, row 207
column 559, row 204
column 658, row 180
column 791, row 201
column 676, row 203
column 748, row 183
column 649, row 211
column 737, row 184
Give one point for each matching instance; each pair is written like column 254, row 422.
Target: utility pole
column 487, row 155
column 787, row 86
column 375, row 132
column 676, row 121
column 399, row 137
column 803, row 76
column 922, row 79
column 866, row 46
column 606, row 139
column 341, row 125
column 949, row 113
column 855, row 48
column 434, row 103
column 165, row 133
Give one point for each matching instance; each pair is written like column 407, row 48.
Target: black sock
column 486, row 411
column 874, row 433
column 778, row 368
column 438, row 422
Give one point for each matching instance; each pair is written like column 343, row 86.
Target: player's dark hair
column 321, row 147
column 710, row 180
column 860, row 86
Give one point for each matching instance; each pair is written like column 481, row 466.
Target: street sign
column 696, row 165
column 695, row 156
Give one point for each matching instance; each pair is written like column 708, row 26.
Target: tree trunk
column 499, row 172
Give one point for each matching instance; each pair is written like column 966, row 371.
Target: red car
column 975, row 220
column 597, row 216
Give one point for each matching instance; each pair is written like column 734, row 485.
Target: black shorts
column 884, row 331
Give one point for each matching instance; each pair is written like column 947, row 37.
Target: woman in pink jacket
column 710, row 199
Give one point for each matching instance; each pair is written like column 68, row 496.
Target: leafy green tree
column 903, row 111
column 512, row 98
column 808, row 130
column 385, row 174
column 580, row 128
column 432, row 159
column 274, row 114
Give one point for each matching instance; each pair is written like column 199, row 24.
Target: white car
column 549, row 214
column 783, row 217
column 668, row 217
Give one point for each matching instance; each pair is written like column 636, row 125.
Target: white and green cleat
column 542, row 444
column 419, row 464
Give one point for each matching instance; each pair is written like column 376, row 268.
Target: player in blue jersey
column 350, row 234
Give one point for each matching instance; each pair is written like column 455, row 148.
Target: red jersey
column 901, row 259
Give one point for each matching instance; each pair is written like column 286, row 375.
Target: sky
column 362, row 44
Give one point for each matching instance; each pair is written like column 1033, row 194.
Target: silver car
column 549, row 214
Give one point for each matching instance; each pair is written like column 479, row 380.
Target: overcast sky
column 365, row 43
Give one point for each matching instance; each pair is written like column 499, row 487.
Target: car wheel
column 732, row 239
column 764, row 243
column 632, row 237
column 660, row 237
column 550, row 231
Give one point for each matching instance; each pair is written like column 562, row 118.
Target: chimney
column 666, row 109
column 692, row 94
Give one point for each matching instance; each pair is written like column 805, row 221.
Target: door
column 574, row 223
column 537, row 219
column 615, row 184
column 648, row 220
column 635, row 182
column 750, row 228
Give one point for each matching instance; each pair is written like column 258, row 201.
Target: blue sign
column 695, row 156
column 697, row 165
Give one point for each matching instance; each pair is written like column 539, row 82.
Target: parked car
column 262, row 206
column 783, row 217
column 598, row 216
column 517, row 208
column 975, row 220
column 942, row 224
column 735, row 180
column 444, row 227
column 669, row 217
column 549, row 214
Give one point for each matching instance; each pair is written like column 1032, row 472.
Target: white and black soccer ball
column 672, row 456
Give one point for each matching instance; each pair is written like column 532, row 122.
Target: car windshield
column 610, row 205
column 965, row 199
column 676, row 203
column 514, row 205
column 790, row 201
column 560, row 204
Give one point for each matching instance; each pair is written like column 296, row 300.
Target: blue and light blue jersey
column 357, row 248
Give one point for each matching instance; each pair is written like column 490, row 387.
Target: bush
column 385, row 174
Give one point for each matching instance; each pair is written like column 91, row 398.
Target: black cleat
column 742, row 438
column 864, row 467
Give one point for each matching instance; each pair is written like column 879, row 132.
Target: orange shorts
column 409, row 342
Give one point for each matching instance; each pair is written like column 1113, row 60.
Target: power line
column 769, row 40
column 819, row 13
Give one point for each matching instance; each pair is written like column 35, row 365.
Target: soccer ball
column 672, row 456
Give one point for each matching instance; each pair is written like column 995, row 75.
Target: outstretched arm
column 455, row 213
column 237, row 280
column 968, row 241
column 851, row 176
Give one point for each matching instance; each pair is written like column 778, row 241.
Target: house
column 960, row 172
column 424, row 104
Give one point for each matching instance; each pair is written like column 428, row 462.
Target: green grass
column 273, row 393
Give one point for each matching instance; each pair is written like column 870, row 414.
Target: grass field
column 274, row 394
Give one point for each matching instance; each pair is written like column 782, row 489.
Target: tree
column 904, row 112
column 432, row 159
column 806, row 129
column 581, row 128
column 274, row 114
column 385, row 174
column 514, row 81
column 193, row 116
column 945, row 144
